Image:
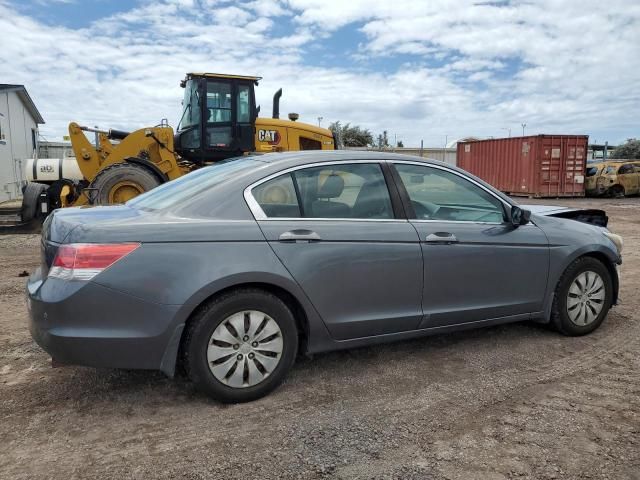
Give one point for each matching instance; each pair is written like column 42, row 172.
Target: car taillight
column 83, row 261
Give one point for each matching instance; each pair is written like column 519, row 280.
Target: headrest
column 332, row 187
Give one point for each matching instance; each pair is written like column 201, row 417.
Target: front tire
column 240, row 346
column 583, row 297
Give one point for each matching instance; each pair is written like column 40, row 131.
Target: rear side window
column 277, row 197
column 624, row 169
column 344, row 191
column 188, row 187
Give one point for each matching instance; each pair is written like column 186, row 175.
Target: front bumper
column 83, row 323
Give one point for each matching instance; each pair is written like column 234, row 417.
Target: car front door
column 477, row 266
column 338, row 231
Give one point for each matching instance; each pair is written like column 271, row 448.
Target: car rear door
column 476, row 265
column 337, row 228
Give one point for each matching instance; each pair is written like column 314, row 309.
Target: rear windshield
column 189, row 186
column 591, row 171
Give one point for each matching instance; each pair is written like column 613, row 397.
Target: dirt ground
column 516, row 401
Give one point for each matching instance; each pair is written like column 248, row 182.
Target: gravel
column 515, row 401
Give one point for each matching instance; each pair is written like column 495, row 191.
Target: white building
column 19, row 120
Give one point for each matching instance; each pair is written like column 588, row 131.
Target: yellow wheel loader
column 219, row 120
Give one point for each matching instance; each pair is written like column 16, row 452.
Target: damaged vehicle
column 233, row 270
column 616, row 178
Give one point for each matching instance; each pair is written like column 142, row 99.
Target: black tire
column 560, row 319
column 205, row 322
column 142, row 179
column 617, row 191
column 31, row 201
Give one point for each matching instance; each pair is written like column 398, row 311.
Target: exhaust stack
column 276, row 104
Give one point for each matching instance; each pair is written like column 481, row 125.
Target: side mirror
column 519, row 216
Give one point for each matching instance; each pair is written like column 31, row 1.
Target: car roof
column 319, row 156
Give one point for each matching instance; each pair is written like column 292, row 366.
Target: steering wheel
column 424, row 210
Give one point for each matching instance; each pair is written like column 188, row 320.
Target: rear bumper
column 83, row 323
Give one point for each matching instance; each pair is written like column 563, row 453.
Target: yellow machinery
column 219, row 120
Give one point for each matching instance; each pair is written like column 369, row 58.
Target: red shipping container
column 533, row 166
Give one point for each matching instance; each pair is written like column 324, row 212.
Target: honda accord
column 231, row 271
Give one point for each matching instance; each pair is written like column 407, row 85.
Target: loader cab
column 218, row 117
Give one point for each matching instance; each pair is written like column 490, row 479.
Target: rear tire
column 121, row 182
column 583, row 297
column 31, row 201
column 225, row 336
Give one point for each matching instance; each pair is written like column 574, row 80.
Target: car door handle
column 300, row 235
column 445, row 238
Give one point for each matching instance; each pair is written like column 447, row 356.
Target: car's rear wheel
column 241, row 345
column 583, row 297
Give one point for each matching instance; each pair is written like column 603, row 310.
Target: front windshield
column 191, row 185
column 191, row 105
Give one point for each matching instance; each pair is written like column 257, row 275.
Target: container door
column 575, row 167
column 551, row 167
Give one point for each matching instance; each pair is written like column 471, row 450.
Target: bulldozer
column 220, row 120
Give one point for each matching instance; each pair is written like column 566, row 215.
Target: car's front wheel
column 241, row 345
column 583, row 297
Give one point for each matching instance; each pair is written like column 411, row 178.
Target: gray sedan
column 234, row 269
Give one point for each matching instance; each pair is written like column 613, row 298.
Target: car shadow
column 81, row 388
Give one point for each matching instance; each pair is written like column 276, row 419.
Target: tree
column 631, row 149
column 383, row 140
column 352, row 136
column 400, row 144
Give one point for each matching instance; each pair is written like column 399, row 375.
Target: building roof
column 26, row 99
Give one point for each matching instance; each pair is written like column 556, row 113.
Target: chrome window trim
column 259, row 214
column 456, row 221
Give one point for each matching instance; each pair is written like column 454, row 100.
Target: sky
column 431, row 70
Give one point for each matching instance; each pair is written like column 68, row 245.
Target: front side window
column 437, row 194
column 345, row 191
column 190, row 105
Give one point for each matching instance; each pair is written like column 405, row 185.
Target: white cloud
column 468, row 68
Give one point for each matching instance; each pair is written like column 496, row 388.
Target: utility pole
column 320, row 120
column 523, row 127
column 444, row 149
